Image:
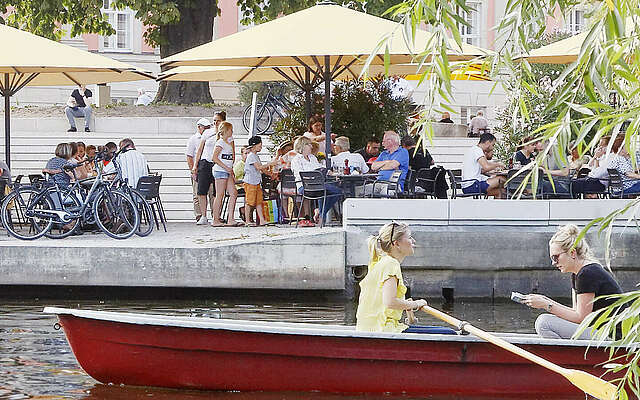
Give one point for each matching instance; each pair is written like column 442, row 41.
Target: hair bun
column 572, row 230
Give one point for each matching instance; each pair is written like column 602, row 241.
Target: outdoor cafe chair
column 455, row 183
column 409, row 191
column 425, row 185
column 615, row 188
column 289, row 190
column 149, row 186
column 387, row 188
column 313, row 184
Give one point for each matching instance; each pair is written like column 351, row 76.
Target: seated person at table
column 421, row 159
column 525, row 154
column 371, row 150
column 316, row 135
column 600, row 154
column 597, row 180
column 132, row 163
column 392, row 159
column 446, row 118
column 80, row 172
column 306, row 161
column 110, row 149
column 342, row 147
column 54, row 165
column 476, row 167
column 553, row 165
column 622, row 163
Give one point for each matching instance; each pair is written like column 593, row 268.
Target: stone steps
column 162, row 140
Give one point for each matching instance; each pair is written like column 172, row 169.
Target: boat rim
column 307, row 329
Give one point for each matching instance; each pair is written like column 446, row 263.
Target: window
column 471, row 34
column 576, row 21
column 122, row 22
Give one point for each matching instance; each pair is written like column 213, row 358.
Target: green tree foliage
column 359, row 111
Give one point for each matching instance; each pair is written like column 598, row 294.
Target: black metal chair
column 615, row 188
column 387, row 188
column 149, row 186
column 456, row 182
column 314, row 189
column 409, row 191
column 426, row 182
column 583, row 173
column 289, row 190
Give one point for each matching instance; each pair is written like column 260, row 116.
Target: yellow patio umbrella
column 324, row 39
column 563, row 51
column 30, row 60
column 473, row 72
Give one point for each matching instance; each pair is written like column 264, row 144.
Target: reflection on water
column 36, row 361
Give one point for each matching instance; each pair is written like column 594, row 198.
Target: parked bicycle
column 31, row 212
column 272, row 108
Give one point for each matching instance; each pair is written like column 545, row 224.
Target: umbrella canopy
column 301, row 38
column 30, row 60
column 564, row 51
column 325, row 39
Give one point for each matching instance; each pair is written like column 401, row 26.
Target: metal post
column 252, row 123
column 7, row 123
column 327, row 108
column 307, row 93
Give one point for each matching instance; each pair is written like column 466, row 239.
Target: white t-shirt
column 601, row 172
column 471, row 168
column 321, row 145
column 226, row 155
column 355, row 160
column 301, row 164
column 192, row 145
column 133, row 165
column 251, row 174
column 209, row 137
column 478, row 122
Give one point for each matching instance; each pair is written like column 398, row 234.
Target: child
column 252, row 179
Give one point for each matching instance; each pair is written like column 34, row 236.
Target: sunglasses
column 555, row 257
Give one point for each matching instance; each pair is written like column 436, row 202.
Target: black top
column 592, row 278
column 446, row 120
column 522, row 158
column 365, row 155
column 419, row 160
column 79, row 100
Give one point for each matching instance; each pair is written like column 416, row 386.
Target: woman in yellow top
column 382, row 291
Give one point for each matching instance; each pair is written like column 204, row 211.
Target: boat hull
column 222, row 359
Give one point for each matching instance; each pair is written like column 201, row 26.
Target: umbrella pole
column 307, row 93
column 7, row 122
column 327, row 109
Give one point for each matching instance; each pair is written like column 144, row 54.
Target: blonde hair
column 224, row 127
column 299, row 144
column 383, row 241
column 566, row 236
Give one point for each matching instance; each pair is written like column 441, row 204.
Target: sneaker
column 87, row 129
column 202, row 221
column 72, row 129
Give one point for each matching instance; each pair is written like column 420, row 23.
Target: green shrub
column 359, row 110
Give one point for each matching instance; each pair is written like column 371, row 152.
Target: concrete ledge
column 489, row 212
column 186, row 256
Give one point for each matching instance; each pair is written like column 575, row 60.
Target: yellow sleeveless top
column 372, row 315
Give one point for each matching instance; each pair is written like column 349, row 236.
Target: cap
column 254, row 140
column 203, row 122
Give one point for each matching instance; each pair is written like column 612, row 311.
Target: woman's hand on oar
column 597, row 387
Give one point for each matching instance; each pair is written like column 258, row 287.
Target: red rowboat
column 222, row 354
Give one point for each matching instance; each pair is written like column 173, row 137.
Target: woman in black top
column 589, row 281
column 525, row 155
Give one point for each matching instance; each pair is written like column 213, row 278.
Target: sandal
column 235, row 224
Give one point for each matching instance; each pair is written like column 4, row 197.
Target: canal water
column 36, row 361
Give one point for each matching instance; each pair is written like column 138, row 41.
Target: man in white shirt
column 192, row 148
column 342, row 147
column 133, row 164
column 476, row 167
column 479, row 124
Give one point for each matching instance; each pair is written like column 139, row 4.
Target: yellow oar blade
column 596, row 387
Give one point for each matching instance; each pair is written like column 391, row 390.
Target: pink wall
column 145, row 47
column 91, row 40
column 227, row 23
column 556, row 22
column 491, row 22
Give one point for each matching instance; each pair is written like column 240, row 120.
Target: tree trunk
column 194, row 28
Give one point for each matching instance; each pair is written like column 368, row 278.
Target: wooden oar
column 588, row 383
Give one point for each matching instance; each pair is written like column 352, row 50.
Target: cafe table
column 348, row 183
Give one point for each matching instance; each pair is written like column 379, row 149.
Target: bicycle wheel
column 116, row 214
column 264, row 118
column 60, row 229
column 20, row 213
column 146, row 214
